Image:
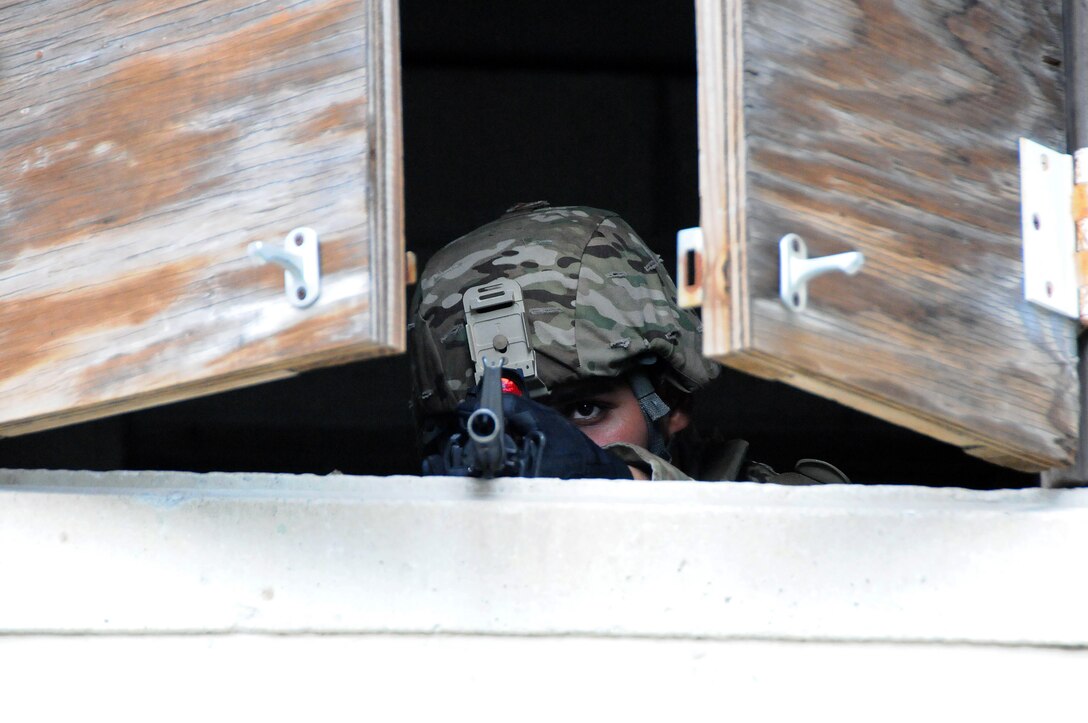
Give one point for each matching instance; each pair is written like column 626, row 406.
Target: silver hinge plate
column 1049, row 234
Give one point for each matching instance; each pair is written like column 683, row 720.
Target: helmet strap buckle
column 653, row 409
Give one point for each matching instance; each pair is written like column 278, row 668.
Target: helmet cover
column 597, row 302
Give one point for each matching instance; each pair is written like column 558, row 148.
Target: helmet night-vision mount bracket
column 497, row 332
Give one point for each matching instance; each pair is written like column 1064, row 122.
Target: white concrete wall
column 521, row 598
column 500, row 678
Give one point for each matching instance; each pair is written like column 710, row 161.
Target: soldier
column 577, row 303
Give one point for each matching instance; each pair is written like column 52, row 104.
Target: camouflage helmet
column 595, row 301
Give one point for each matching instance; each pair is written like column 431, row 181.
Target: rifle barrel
column 486, row 427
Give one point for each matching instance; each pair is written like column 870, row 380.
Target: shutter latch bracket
column 300, row 258
column 796, row 269
column 689, row 267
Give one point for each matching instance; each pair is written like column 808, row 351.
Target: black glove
column 568, row 453
column 542, row 443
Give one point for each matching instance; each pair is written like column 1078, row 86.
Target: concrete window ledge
column 154, row 551
column 491, row 581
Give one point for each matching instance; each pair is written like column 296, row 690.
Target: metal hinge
column 1054, row 226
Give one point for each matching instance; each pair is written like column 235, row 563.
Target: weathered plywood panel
column 143, row 146
column 889, row 127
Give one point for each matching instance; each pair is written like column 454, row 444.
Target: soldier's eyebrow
column 581, row 390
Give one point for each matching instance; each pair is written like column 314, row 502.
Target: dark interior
column 575, row 102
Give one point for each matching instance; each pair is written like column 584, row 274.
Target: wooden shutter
column 143, row 147
column 889, row 128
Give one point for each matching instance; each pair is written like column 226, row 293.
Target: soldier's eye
column 587, row 412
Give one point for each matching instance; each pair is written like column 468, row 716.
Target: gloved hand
column 565, row 452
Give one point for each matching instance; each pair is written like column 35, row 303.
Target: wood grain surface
column 143, row 146
column 888, row 127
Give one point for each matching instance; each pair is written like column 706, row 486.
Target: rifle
column 485, row 448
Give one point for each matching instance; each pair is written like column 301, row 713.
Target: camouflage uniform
column 655, row 467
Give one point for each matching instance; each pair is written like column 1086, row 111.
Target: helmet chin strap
column 653, row 409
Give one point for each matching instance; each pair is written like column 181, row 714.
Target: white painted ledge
column 509, row 678
column 166, row 553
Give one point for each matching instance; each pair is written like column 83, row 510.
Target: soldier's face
column 607, row 412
